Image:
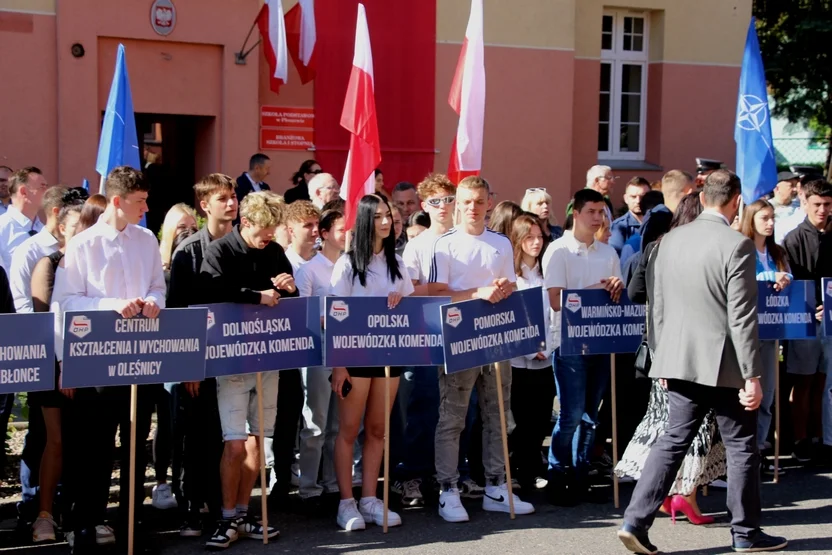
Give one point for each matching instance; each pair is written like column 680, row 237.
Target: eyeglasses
column 440, row 201
column 610, row 178
column 536, row 189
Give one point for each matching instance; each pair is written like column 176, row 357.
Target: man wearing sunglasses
column 418, row 394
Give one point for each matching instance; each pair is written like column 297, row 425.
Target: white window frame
column 618, row 58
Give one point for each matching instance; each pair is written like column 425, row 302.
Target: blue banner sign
column 362, row 331
column 248, row 338
column 27, row 352
column 787, row 314
column 826, row 283
column 592, row 324
column 478, row 332
column 103, row 349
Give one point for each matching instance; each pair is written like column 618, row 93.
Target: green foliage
column 796, row 44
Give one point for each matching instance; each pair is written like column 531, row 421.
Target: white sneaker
column 349, row 518
column 163, row 498
column 450, row 506
column 719, row 484
column 104, row 535
column 43, row 530
column 373, row 511
column 496, row 500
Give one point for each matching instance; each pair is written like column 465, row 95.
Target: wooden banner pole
column 614, row 409
column 264, row 484
column 500, row 404
column 386, row 493
column 131, row 512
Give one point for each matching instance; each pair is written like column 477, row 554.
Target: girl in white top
column 370, row 269
column 533, row 378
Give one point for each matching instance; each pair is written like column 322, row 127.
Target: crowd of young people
column 326, row 425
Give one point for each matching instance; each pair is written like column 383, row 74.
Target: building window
column 623, row 90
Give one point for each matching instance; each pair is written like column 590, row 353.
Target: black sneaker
column 225, row 534
column 762, row 542
column 251, row 527
column 802, row 451
column 636, row 541
column 192, row 527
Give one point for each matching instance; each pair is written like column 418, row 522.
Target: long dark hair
column 298, row 177
column 503, row 216
column 747, row 228
column 364, row 237
column 688, row 210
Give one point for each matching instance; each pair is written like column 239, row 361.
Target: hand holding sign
column 614, row 286
column 492, row 294
column 781, row 281
column 130, row 307
column 150, row 309
column 269, row 297
column 284, row 282
column 393, row 299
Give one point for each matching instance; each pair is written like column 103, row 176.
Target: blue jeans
column 581, row 383
column 418, row 401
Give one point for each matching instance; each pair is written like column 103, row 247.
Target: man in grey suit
column 705, row 321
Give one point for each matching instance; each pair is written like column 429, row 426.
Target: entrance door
column 169, row 155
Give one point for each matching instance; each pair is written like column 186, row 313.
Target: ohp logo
column 453, row 317
column 211, row 320
column 573, row 302
column 80, row 326
column 339, row 310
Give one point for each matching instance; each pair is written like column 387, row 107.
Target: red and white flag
column 359, row 118
column 301, row 37
column 467, row 98
column 273, row 30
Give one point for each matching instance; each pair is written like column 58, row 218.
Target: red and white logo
column 453, row 317
column 80, row 326
column 573, row 302
column 163, row 17
column 339, row 310
column 211, row 320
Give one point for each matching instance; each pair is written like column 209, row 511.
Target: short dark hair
column 213, row 183
column 584, row 197
column 328, row 219
column 124, row 180
column 721, row 186
column 53, row 198
column 21, row 177
column 650, row 200
column 639, row 181
column 377, row 172
column 818, row 188
column 335, row 204
column 419, row 218
column 257, row 160
column 402, row 186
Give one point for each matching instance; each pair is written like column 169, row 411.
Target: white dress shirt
column 378, row 283
column 3, row 208
column 14, row 229
column 105, row 266
column 313, row 279
column 255, row 185
column 23, row 262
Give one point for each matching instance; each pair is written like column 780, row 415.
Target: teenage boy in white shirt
column 198, row 400
column 472, row 262
column 578, row 261
column 113, row 265
column 320, row 411
column 246, row 266
column 418, row 396
column 302, row 219
column 20, row 221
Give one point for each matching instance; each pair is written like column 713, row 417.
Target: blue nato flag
column 756, row 165
column 119, row 144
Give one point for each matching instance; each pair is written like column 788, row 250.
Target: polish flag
column 273, row 30
column 359, row 118
column 301, row 37
column 467, row 98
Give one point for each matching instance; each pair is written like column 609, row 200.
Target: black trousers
column 688, row 405
column 203, row 447
column 532, row 397
column 98, row 413
column 289, row 408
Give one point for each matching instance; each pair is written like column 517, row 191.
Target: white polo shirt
column 464, row 261
column 571, row 264
column 295, row 260
column 379, row 284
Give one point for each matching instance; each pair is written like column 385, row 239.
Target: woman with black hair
column 371, row 268
column 300, row 190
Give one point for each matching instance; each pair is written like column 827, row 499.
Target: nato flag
column 756, row 165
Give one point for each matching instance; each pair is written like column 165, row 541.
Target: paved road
column 799, row 507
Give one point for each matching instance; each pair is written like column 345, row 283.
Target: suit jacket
column 244, row 187
column 705, row 305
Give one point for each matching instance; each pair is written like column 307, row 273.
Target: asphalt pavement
column 798, row 508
